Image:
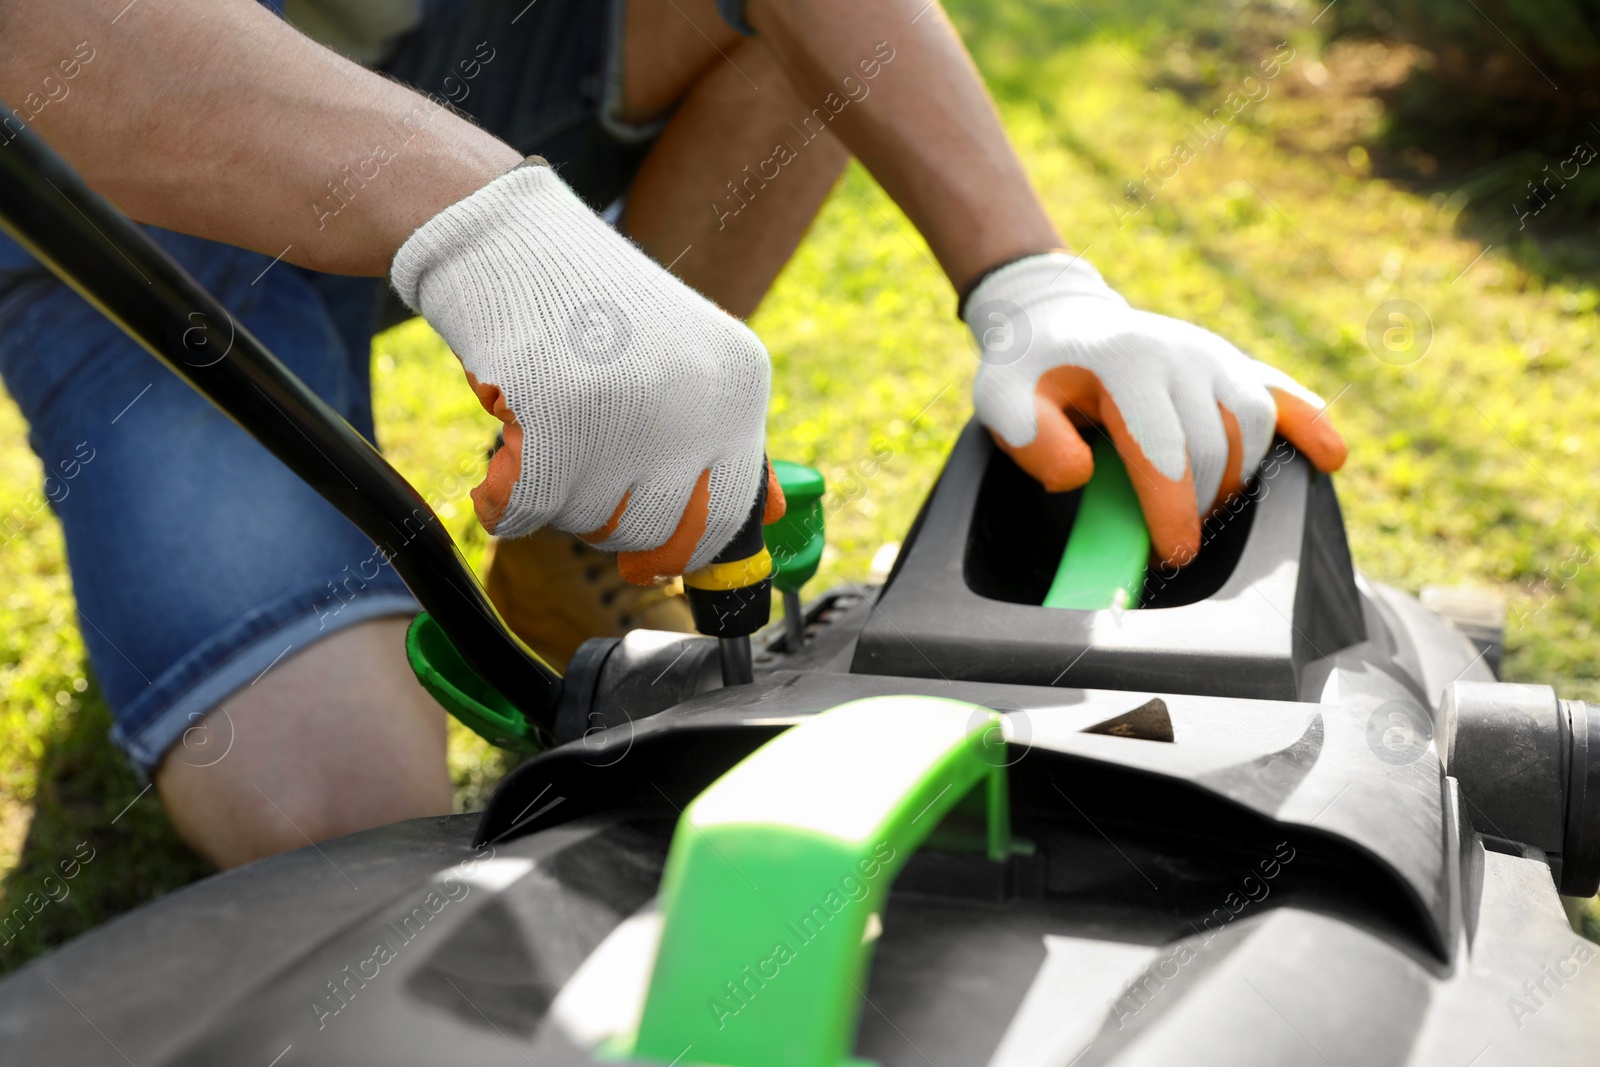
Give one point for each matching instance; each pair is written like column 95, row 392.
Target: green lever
column 461, row 692
column 778, row 872
column 1104, row 562
column 795, row 541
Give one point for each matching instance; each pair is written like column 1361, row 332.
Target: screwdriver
column 731, row 597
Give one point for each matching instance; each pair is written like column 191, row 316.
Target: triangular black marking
column 1147, row 722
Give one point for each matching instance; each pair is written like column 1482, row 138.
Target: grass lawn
column 1471, row 463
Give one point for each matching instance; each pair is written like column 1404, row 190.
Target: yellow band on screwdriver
column 738, row 574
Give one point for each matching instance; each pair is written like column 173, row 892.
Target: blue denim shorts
column 198, row 560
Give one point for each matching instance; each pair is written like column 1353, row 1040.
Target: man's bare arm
column 216, row 118
column 928, row 133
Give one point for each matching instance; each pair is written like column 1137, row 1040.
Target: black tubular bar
column 90, row 245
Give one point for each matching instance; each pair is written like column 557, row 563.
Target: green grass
column 1473, row 464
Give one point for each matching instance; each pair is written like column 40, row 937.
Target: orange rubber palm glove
column 1190, row 414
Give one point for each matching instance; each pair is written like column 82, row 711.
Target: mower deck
column 1220, row 849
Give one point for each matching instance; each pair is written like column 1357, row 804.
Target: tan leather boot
column 556, row 592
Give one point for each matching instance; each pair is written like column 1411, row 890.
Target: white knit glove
column 634, row 407
column 1190, row 414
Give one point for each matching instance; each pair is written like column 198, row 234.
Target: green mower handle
column 779, row 871
column 1104, row 561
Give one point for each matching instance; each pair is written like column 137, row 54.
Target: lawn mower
column 1030, row 801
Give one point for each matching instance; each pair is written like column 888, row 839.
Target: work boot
column 557, row 592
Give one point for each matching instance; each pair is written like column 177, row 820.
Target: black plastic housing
column 1272, row 591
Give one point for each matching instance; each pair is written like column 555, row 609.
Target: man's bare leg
column 335, row 739
column 734, row 106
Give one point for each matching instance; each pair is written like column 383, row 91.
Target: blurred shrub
column 1503, row 93
column 1543, row 53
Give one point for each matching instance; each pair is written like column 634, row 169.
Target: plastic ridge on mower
column 1233, row 838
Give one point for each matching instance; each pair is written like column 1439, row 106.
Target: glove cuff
column 1023, row 281
column 471, row 224
column 964, row 294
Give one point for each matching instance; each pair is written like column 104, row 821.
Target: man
column 216, row 592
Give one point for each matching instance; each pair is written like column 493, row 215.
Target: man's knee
column 334, row 741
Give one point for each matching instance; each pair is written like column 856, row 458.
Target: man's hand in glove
column 634, row 408
column 1190, row 414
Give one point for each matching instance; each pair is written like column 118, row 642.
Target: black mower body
column 1237, row 839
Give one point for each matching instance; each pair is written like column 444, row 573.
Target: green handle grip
column 1104, row 561
column 462, row 692
column 777, row 871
